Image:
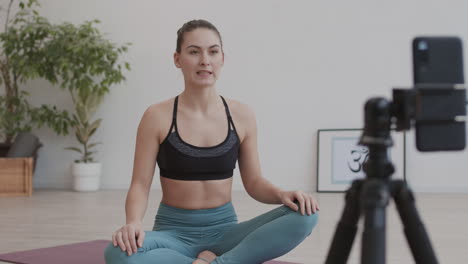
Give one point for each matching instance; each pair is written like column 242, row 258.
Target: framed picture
column 340, row 159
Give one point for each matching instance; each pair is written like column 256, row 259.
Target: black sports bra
column 182, row 161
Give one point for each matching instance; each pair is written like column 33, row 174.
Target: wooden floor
column 51, row 218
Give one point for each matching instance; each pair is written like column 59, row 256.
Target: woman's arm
column 146, row 150
column 256, row 186
column 131, row 235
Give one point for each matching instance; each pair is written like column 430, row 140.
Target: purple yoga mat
column 91, row 252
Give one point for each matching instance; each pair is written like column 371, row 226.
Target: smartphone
column 438, row 61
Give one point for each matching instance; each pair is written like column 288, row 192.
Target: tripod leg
column 346, row 228
column 374, row 199
column 415, row 232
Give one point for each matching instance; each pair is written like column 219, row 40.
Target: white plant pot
column 86, row 176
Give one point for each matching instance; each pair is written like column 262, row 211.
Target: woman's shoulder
column 161, row 108
column 243, row 117
column 239, row 109
column 157, row 116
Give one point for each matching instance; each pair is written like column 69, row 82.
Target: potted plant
column 23, row 57
column 87, row 68
column 76, row 58
column 86, row 171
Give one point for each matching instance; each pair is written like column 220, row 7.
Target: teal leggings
column 179, row 235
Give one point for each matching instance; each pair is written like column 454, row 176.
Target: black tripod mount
column 370, row 196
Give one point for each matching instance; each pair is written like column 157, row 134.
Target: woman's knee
column 304, row 223
column 115, row 255
column 311, row 221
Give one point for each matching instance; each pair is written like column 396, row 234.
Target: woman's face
column 201, row 57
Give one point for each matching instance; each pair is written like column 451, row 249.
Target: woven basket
column 16, row 176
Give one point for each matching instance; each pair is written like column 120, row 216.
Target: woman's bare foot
column 208, row 255
column 199, row 261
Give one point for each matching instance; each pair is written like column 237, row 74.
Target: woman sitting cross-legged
column 196, row 139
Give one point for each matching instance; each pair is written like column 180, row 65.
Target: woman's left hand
column 306, row 202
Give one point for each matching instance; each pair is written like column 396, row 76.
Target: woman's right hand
column 127, row 238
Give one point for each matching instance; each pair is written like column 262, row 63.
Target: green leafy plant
column 85, row 108
column 22, row 58
column 87, row 68
column 76, row 58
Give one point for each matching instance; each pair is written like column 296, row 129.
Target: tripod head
column 442, row 106
column 376, row 136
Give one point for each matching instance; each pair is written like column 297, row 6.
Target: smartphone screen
column 439, row 60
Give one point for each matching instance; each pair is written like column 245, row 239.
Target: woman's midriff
column 196, row 194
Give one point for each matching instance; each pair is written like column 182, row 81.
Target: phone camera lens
column 422, row 45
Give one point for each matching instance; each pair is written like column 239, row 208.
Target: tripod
column 371, row 195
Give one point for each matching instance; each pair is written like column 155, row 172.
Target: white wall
column 301, row 65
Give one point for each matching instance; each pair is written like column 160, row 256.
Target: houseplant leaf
column 75, row 149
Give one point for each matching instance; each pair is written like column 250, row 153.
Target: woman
column 196, row 222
